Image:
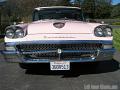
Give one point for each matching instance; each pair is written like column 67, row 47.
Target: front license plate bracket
column 60, row 65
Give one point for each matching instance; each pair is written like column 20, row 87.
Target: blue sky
column 115, row 2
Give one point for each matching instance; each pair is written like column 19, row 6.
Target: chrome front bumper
column 102, row 54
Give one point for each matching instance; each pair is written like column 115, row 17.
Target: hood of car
column 61, row 27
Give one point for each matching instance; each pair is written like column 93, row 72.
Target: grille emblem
column 59, row 51
column 59, row 25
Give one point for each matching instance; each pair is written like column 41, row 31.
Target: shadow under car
column 77, row 69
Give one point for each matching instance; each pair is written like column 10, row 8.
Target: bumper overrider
column 59, row 50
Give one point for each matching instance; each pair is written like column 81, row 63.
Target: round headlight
column 108, row 31
column 10, row 33
column 99, row 32
column 19, row 33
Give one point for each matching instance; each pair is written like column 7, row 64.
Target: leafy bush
column 116, row 23
column 1, row 40
column 115, row 13
column 116, row 38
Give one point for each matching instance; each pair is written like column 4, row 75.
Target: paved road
column 81, row 77
column 115, row 26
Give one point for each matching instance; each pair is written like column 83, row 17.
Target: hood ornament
column 59, row 25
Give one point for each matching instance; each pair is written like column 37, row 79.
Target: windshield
column 58, row 13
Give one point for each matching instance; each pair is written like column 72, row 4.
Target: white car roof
column 40, row 8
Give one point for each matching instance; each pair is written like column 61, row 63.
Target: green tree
column 97, row 8
column 103, row 8
column 15, row 9
column 63, row 2
column 88, row 7
column 116, row 11
column 24, row 8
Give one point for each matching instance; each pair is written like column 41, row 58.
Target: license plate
column 60, row 65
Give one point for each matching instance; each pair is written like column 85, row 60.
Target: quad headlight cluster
column 103, row 31
column 16, row 32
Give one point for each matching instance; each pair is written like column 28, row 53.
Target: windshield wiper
column 70, row 19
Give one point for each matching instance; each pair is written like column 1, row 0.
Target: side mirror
column 102, row 22
column 87, row 20
column 91, row 20
column 14, row 23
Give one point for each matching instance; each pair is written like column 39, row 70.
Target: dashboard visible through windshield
column 58, row 13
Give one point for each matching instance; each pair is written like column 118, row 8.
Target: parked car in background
column 59, row 36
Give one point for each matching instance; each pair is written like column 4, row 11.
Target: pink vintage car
column 59, row 36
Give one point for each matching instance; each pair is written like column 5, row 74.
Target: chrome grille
column 49, row 51
column 81, row 46
column 49, row 55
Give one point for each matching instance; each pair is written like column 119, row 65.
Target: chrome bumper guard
column 102, row 55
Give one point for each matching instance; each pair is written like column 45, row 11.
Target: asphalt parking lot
column 82, row 77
